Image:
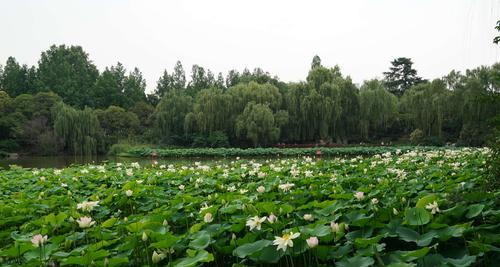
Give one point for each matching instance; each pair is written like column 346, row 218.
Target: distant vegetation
column 262, row 152
column 64, row 104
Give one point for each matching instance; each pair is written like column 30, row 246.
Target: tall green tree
column 109, row 87
column 68, row 72
column 134, row 88
column 16, row 79
column 164, row 85
column 199, row 80
column 115, row 88
column 401, row 76
column 178, row 77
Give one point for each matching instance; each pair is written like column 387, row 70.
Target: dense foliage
column 262, row 152
column 243, row 109
column 407, row 208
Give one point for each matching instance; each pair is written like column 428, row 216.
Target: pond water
column 64, row 161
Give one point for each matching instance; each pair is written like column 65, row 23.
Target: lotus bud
column 144, row 237
column 312, row 241
column 156, row 257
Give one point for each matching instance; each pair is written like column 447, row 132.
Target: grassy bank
column 260, row 152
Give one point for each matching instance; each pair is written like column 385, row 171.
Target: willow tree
column 425, row 105
column 244, row 93
column 170, row 114
column 257, row 124
column 480, row 93
column 211, row 112
column 378, row 108
column 79, row 129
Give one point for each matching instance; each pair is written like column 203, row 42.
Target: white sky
column 281, row 37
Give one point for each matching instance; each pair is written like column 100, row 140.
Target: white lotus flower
column 308, row 217
column 261, row 189
column 157, row 257
column 433, row 207
column 335, row 227
column 255, row 222
column 129, row 193
column 286, row 187
column 208, row 218
column 285, row 241
column 359, row 195
column 87, row 205
column 85, row 222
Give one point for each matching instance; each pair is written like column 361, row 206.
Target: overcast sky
column 281, row 37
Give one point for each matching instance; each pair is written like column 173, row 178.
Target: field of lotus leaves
column 401, row 208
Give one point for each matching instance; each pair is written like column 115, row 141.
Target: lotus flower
column 285, row 241
column 85, row 222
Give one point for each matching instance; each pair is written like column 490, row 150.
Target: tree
column 79, row 129
column 115, row 88
column 143, row 111
column 257, row 124
column 17, row 79
column 424, row 106
column 378, row 109
column 169, row 116
column 164, row 85
column 232, row 78
column 117, row 124
column 199, row 80
column 109, row 87
column 497, row 39
column 178, row 78
column 168, row 83
column 316, row 62
column 68, row 72
column 134, row 88
column 219, row 83
column 401, row 76
column 211, row 112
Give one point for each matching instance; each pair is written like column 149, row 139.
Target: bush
column 9, row 145
column 217, row 139
column 118, row 149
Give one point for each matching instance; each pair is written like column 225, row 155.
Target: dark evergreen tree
column 401, row 76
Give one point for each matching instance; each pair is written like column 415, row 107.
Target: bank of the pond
column 262, row 152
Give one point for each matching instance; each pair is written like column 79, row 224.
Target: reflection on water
column 64, row 161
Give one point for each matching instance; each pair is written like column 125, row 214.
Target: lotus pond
column 405, row 208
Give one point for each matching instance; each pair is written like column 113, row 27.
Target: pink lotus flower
column 312, row 241
column 38, row 240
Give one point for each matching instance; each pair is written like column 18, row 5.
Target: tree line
column 65, row 104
